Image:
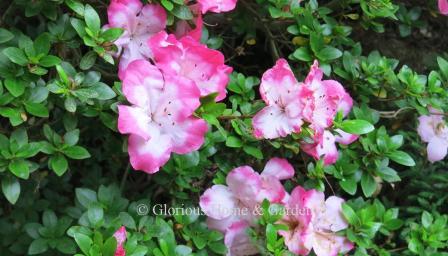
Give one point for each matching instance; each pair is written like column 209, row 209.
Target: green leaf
column 84, row 242
column 16, row 55
column 167, row 4
column 88, row 60
column 368, row 184
column 20, row 168
column 71, row 137
column 92, row 19
column 112, row 34
column 110, row 246
column 62, row 74
column 253, row 151
column 104, row 91
column 127, row 220
column 11, row 188
column 349, row 186
column 49, row 61
column 38, row 246
column 329, row 53
column 350, row 215
column 42, row 44
column 234, row 142
column 76, row 152
column 15, row 86
column 401, row 157
column 36, row 109
column 357, row 126
column 427, row 219
column 5, row 35
column 443, row 65
column 95, row 214
column 302, row 54
column 49, row 219
column 85, row 196
column 58, row 163
column 76, row 6
column 182, row 12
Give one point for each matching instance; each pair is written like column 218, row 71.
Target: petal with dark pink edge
column 218, row 202
column 217, row 6
column 315, row 73
column 120, row 235
column 133, row 5
column 272, row 190
column 140, row 78
column 277, row 82
column 149, row 155
column 237, row 240
column 151, row 19
column 188, row 135
column 272, row 122
column 120, row 16
column 279, row 168
column 181, row 90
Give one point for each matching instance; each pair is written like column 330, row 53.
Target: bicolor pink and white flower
column 316, row 226
column 324, row 99
column 230, row 209
column 281, row 92
column 217, row 6
column 189, row 58
column 433, row 130
column 160, row 119
column 324, row 146
column 139, row 23
column 443, row 7
column 120, row 236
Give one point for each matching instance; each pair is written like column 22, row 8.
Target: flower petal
column 237, row 240
column 149, row 155
column 437, row 149
column 345, row 138
column 279, row 168
column 218, row 202
column 217, row 6
column 188, row 135
column 271, row 122
column 245, row 183
column 443, row 7
column 134, row 120
column 333, row 217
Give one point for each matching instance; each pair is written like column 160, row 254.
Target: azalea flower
column 120, row 235
column 160, row 120
column 315, row 228
column 238, row 242
column 443, row 7
column 187, row 57
column 325, row 146
column 282, row 94
column 184, row 28
column 217, row 5
column 139, row 23
column 433, row 130
column 230, row 209
column 324, row 99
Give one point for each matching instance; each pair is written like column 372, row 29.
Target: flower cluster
column 433, row 130
column 291, row 103
column 165, row 91
column 312, row 225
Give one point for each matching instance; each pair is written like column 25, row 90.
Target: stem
column 125, row 177
column 235, row 117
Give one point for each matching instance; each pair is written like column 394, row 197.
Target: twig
column 392, row 114
column 234, row 117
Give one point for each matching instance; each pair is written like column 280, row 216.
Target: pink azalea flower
column 217, row 5
column 315, row 226
column 139, row 23
column 443, row 7
column 187, row 57
column 324, row 100
column 183, row 27
column 160, row 119
column 325, row 145
column 283, row 112
column 237, row 241
column 230, row 209
column 120, row 235
column 433, row 130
